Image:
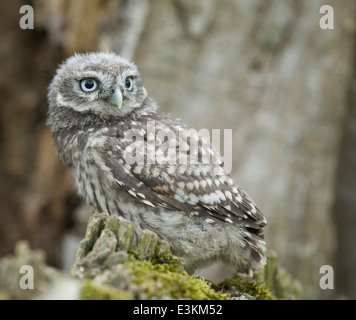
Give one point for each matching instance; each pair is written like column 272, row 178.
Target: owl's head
column 101, row 83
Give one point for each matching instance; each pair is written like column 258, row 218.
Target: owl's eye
column 129, row 83
column 88, row 85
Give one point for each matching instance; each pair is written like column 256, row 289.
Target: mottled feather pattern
column 192, row 188
column 132, row 160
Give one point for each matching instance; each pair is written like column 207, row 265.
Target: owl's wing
column 196, row 189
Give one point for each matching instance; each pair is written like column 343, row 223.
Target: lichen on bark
column 116, row 269
column 109, row 266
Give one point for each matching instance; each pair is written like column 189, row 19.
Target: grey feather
column 195, row 206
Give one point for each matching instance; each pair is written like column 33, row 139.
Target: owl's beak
column 116, row 98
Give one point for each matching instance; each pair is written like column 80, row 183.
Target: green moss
column 94, row 291
column 148, row 270
column 236, row 286
column 163, row 277
column 169, row 281
column 168, row 261
column 111, row 268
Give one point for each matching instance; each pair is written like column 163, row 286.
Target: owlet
column 131, row 160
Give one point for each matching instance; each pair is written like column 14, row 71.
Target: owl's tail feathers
column 255, row 251
column 246, row 252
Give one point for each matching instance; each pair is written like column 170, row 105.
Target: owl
column 130, row 159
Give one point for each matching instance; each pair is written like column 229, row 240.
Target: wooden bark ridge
column 109, row 266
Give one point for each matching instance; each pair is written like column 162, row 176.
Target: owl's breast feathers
column 164, row 164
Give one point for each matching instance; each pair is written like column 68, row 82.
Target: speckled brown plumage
column 132, row 160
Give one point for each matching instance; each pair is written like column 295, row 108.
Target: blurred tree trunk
column 34, row 191
column 345, row 202
column 262, row 68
